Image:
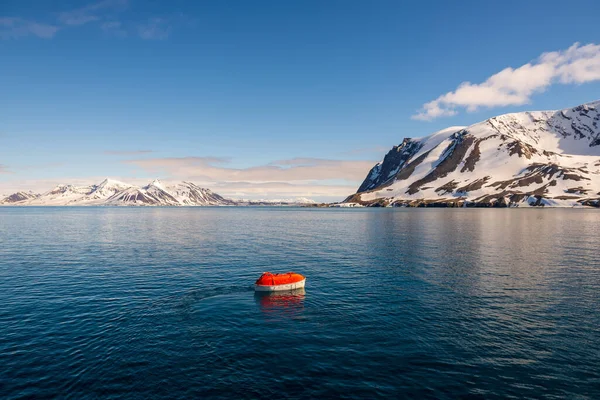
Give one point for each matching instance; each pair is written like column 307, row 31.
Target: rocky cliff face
column 549, row 158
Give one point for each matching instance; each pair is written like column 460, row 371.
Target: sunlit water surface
column 157, row 303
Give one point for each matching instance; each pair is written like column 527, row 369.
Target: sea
column 153, row 303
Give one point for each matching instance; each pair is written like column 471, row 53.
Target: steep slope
column 106, row 189
column 190, row 194
column 158, row 191
column 547, row 158
column 152, row 194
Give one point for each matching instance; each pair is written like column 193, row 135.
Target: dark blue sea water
column 149, row 303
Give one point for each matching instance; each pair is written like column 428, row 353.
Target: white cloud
column 578, row 64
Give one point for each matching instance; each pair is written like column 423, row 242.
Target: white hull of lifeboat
column 276, row 288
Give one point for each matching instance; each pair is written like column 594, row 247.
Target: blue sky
column 268, row 99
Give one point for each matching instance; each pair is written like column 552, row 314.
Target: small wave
column 198, row 295
column 184, row 301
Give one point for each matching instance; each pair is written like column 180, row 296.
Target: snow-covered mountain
column 63, row 195
column 188, row 193
column 111, row 192
column 549, row 158
column 18, row 197
column 108, row 188
column 178, row 194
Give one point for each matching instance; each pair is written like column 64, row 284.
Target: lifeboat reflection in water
column 284, row 303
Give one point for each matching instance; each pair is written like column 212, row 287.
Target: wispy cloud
column 279, row 190
column 297, row 177
column 293, row 170
column 76, row 19
column 126, row 152
column 302, row 162
column 91, row 12
column 114, row 28
column 154, row 28
column 14, row 28
column 173, row 164
column 105, row 15
column 514, row 86
column 39, row 167
column 4, row 169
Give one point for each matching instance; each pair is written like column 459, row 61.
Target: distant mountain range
column 543, row 158
column 114, row 193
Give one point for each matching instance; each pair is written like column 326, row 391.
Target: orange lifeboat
column 269, row 282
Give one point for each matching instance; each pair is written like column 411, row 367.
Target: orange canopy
column 269, row 279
